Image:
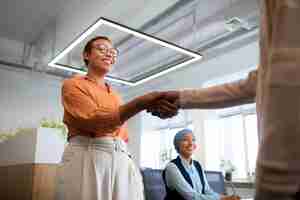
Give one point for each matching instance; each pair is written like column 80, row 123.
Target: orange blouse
column 91, row 110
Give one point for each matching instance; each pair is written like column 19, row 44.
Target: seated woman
column 184, row 177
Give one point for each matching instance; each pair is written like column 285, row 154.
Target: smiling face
column 100, row 57
column 187, row 146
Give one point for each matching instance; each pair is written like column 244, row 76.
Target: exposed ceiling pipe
column 26, row 67
column 214, row 23
column 181, row 8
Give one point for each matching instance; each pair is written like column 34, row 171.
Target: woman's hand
column 166, row 105
column 161, row 104
column 230, row 197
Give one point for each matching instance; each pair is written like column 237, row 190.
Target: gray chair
column 154, row 184
column 216, row 181
column 155, row 187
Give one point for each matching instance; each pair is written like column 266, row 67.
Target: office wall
column 27, row 97
column 193, row 77
column 135, row 132
column 19, row 150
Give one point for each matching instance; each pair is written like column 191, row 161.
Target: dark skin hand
column 167, row 106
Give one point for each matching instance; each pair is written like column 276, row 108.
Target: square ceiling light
column 142, row 74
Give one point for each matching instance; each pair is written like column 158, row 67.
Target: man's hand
column 146, row 100
column 230, row 198
column 161, row 104
column 166, row 106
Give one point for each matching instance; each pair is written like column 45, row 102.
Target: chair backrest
column 215, row 180
column 155, row 187
column 154, row 184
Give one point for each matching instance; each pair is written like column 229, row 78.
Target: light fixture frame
column 195, row 56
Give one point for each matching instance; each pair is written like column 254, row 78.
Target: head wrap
column 179, row 137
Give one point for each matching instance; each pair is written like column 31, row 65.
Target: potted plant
column 46, row 123
column 166, row 155
column 228, row 168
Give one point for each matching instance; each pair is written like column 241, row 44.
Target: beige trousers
column 99, row 169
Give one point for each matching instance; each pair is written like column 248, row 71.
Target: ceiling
column 198, row 25
column 24, row 20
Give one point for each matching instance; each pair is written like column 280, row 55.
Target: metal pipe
column 29, row 68
column 176, row 8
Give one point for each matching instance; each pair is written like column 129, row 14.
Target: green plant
column 46, row 123
column 9, row 134
column 227, row 166
column 166, row 155
column 6, row 136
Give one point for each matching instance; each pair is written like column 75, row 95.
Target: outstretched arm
column 222, row 96
column 85, row 113
column 226, row 95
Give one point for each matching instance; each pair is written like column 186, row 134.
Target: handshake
column 161, row 104
column 233, row 197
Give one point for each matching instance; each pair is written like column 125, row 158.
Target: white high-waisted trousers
column 99, row 169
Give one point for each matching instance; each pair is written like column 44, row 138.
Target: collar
column 107, row 86
column 185, row 162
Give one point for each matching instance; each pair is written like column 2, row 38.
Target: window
column 252, row 141
column 157, row 147
column 232, row 138
column 232, row 135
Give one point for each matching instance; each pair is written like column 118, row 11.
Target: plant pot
column 228, row 176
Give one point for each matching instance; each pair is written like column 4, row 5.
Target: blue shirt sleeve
column 175, row 181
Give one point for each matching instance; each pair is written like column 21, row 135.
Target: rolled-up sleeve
column 85, row 113
column 176, row 181
column 226, row 95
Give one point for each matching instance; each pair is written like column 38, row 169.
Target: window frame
column 243, row 113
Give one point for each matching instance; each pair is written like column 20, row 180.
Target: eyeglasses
column 104, row 50
column 189, row 141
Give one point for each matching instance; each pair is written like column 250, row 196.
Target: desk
column 240, row 184
column 241, row 188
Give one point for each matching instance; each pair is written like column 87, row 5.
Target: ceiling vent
column 235, row 23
